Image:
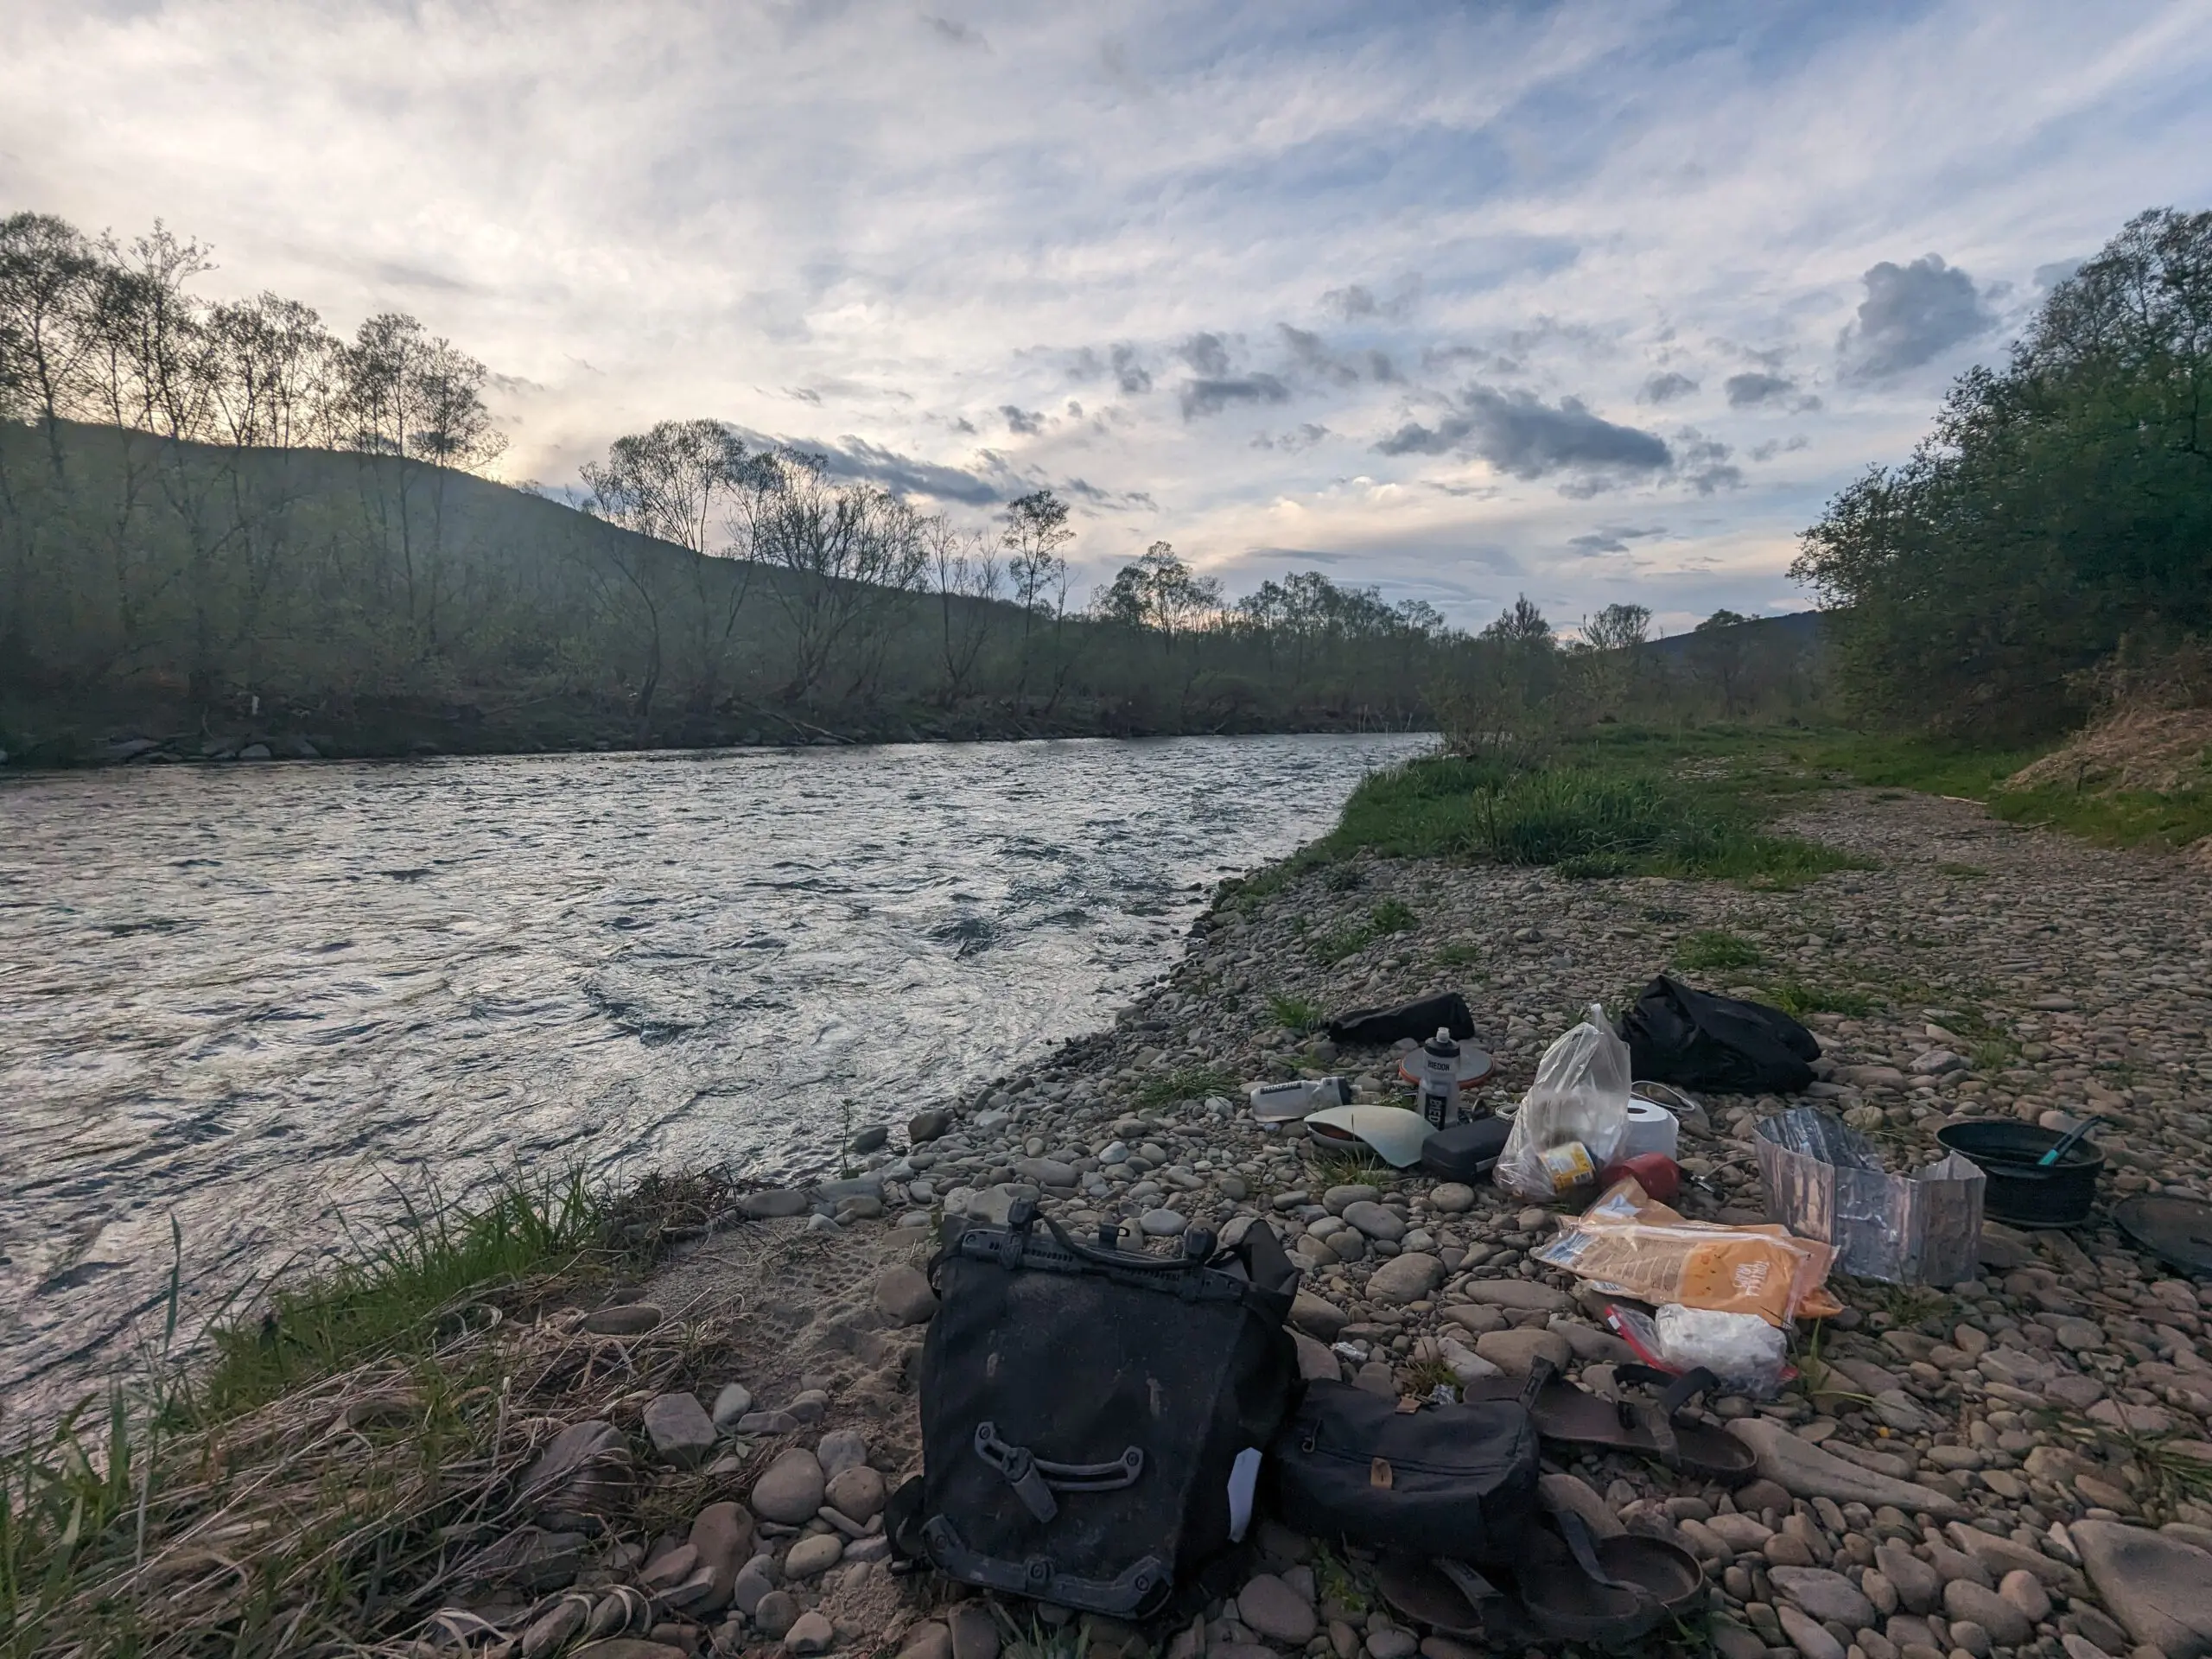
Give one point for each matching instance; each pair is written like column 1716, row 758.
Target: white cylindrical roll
column 1650, row 1129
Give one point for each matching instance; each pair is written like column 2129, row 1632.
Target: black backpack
column 1084, row 1409
column 1697, row 1040
column 1457, row 1481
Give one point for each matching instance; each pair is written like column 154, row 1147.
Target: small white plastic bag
column 1572, row 1120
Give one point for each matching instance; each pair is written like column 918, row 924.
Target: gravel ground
column 2014, row 1465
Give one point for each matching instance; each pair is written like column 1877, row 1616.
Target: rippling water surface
column 255, row 999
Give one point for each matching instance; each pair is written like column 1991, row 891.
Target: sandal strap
column 1679, row 1390
column 1576, row 1532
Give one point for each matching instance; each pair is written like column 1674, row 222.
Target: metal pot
column 2020, row 1191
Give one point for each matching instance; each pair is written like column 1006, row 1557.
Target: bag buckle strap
column 1020, row 1467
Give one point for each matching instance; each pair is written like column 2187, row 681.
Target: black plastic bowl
column 2019, row 1192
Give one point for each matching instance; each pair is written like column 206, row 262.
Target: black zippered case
column 1449, row 1480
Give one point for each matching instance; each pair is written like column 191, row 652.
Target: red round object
column 1660, row 1176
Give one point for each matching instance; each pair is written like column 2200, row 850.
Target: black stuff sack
column 1457, row 1481
column 1093, row 1420
column 1377, row 1027
column 1721, row 1044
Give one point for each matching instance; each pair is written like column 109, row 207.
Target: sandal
column 1666, row 1570
column 1571, row 1596
column 1451, row 1599
column 1650, row 1428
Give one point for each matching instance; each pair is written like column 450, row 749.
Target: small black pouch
column 1465, row 1152
column 1454, row 1481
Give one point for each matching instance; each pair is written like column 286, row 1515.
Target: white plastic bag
column 1572, row 1120
column 1742, row 1351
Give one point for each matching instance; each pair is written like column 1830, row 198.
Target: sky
column 1592, row 302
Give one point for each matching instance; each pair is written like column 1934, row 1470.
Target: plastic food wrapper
column 1742, row 1352
column 1824, row 1181
column 1572, row 1120
column 1631, row 1244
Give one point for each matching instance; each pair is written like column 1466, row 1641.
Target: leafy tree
column 2059, row 504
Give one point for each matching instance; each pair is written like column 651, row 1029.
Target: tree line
column 213, row 513
column 2056, row 521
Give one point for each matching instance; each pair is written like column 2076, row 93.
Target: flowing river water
column 250, row 1008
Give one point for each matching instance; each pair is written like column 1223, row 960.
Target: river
column 267, row 1003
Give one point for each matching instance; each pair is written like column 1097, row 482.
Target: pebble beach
column 2018, row 1463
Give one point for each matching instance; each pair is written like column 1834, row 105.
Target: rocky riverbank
column 2019, row 1465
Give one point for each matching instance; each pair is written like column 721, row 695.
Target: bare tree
column 966, row 576
column 680, row 482
column 829, row 546
column 50, row 278
column 413, row 405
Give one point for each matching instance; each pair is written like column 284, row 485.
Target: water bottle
column 1439, row 1079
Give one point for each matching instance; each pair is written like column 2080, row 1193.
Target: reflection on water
column 256, row 998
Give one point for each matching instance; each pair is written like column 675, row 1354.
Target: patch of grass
column 1423, row 1377
column 1797, row 999
column 1328, row 1167
column 1464, row 954
column 408, row 1290
column 1992, row 1056
column 1334, row 945
column 2114, row 819
column 2119, row 818
column 1190, row 1083
column 1711, row 947
column 1964, row 872
column 1334, row 1581
column 2174, row 1477
column 1298, row 1014
column 1391, row 916
column 1594, row 810
column 356, row 1434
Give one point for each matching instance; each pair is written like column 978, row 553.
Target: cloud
column 1128, row 373
column 1350, row 303
column 1355, row 303
column 1310, row 353
column 1748, row 391
column 1210, row 395
column 1520, row 435
column 857, row 458
column 1023, row 423
column 1773, row 446
column 1912, row 314
column 1596, row 542
column 1702, row 463
column 954, row 33
column 1206, row 352
column 1304, row 436
column 2050, row 276
column 1665, row 388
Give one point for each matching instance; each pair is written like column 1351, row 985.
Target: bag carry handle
column 1034, row 1479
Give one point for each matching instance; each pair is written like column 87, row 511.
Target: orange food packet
column 1629, row 1240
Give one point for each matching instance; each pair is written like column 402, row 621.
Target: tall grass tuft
column 406, row 1290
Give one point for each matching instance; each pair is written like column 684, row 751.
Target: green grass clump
column 1716, row 948
column 1796, row 998
column 1334, row 945
column 1298, row 1014
column 1189, row 1083
column 406, row 1292
column 354, row 1430
column 1590, row 811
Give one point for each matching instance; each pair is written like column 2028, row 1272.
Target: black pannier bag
column 1697, row 1040
column 1456, row 1481
column 1084, row 1409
